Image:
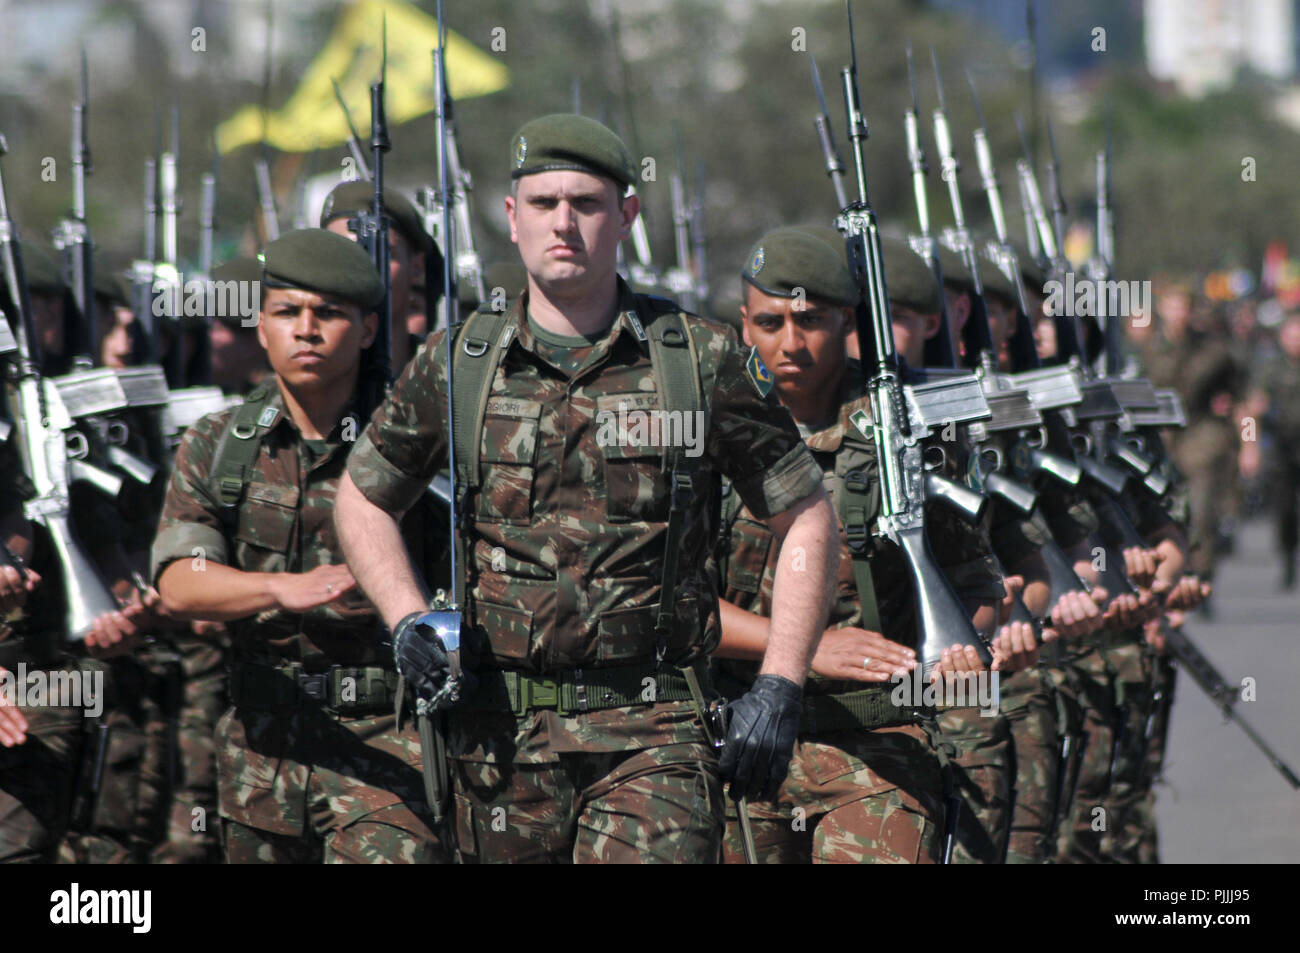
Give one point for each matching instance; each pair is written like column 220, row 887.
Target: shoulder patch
column 862, row 420
column 267, row 417
column 759, row 374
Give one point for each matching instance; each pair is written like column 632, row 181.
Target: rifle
column 698, row 240
column 208, row 213
column 1221, row 693
column 939, row 350
column 822, row 123
column 72, row 235
column 354, row 139
column 371, row 229
column 679, row 279
column 261, row 165
column 902, row 417
column 460, row 247
column 41, row 419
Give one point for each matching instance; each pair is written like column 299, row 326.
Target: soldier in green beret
column 311, row 764
column 238, row 362
column 589, row 607
column 413, row 257
column 864, row 785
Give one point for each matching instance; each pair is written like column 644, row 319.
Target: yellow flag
column 312, row 118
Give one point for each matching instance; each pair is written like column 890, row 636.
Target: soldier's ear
column 932, row 325
column 630, row 209
column 510, row 215
column 369, row 328
column 744, row 326
column 261, row 329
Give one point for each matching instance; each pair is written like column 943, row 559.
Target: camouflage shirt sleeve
column 190, row 524
column 405, row 443
column 755, row 444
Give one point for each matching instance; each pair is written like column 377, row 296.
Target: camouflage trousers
column 1104, row 823
column 655, row 805
column 193, row 836
column 129, row 815
column 305, row 786
column 982, row 777
column 1164, row 681
column 37, row 781
column 1029, row 705
column 852, row 797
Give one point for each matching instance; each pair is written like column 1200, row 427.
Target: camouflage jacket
column 284, row 523
column 567, row 530
column 747, row 553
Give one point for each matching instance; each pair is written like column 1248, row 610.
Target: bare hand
column 298, row 592
column 1140, row 564
column 117, row 633
column 1014, row 586
column 13, row 725
column 14, row 587
column 842, row 652
column 1076, row 614
column 1015, row 648
column 1188, row 593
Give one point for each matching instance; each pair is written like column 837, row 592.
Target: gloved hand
column 421, row 657
column 760, row 739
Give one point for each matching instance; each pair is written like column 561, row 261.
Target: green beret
column 908, row 277
column 113, row 286
column 350, row 198
column 570, row 141
column 789, row 258
column 42, row 269
column 954, row 269
column 318, row 260
column 831, row 236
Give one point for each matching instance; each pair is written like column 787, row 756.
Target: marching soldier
column 588, row 606
column 311, row 764
column 865, row 783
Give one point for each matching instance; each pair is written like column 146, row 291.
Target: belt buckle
column 315, row 687
column 541, row 693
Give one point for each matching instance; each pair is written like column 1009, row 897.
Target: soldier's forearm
column 203, row 589
column 744, row 634
column 376, row 553
column 805, row 580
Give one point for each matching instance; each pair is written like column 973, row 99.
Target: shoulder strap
column 481, row 341
column 237, row 450
column 853, row 504
column 677, row 379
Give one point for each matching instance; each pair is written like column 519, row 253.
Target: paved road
column 1222, row 802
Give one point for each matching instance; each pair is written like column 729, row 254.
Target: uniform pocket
column 631, row 443
column 268, row 516
column 507, row 453
column 508, row 630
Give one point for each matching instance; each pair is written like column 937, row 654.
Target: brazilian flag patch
column 862, row 420
column 759, row 374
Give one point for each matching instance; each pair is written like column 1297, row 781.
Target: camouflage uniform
column 566, row 548
column 854, row 795
column 298, row 781
column 1030, row 705
column 38, row 777
column 1280, row 380
column 1199, row 367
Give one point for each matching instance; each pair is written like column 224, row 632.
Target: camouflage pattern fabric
column 852, row 797
column 566, row 549
column 328, row 788
column 1129, row 783
column 1029, row 705
column 37, row 781
column 276, row 770
column 983, row 776
column 654, row 805
column 193, row 834
column 1165, row 681
column 872, row 796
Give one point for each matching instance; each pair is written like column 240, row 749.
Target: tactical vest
column 480, row 343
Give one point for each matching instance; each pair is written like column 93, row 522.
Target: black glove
column 760, row 740
column 421, row 657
